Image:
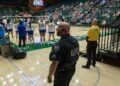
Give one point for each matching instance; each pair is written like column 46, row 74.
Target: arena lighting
column 38, row 2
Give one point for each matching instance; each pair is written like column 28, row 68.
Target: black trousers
column 63, row 78
column 91, row 52
column 24, row 41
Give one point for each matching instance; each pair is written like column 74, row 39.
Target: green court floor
column 35, row 46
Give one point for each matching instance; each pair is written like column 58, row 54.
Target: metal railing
column 109, row 41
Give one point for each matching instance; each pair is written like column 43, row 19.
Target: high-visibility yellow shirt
column 93, row 33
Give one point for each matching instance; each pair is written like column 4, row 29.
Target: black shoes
column 88, row 67
column 84, row 66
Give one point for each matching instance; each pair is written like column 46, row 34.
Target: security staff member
column 64, row 56
column 91, row 38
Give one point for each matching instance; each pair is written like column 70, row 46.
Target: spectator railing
column 109, row 42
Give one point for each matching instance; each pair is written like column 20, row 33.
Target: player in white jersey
column 30, row 33
column 4, row 21
column 9, row 27
column 51, row 29
column 26, row 23
column 42, row 29
column 16, row 28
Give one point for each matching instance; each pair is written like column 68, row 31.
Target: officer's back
column 70, row 48
column 66, row 51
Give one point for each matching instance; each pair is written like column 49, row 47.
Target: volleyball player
column 42, row 29
column 9, row 27
column 16, row 28
column 51, row 29
column 30, row 33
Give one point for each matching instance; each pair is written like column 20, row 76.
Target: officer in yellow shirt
column 92, row 38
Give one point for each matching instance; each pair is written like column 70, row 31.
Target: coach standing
column 64, row 56
column 22, row 33
column 92, row 38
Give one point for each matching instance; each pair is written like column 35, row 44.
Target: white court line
column 98, row 77
column 19, row 69
column 77, row 82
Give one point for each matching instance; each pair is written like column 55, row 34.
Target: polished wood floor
column 33, row 70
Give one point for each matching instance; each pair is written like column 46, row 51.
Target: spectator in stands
column 62, row 20
column 116, row 22
column 51, row 29
column 92, row 38
column 104, row 22
column 64, row 56
column 22, row 34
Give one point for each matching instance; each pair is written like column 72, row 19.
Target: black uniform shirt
column 66, row 51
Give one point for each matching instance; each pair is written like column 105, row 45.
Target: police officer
column 91, row 38
column 64, row 55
